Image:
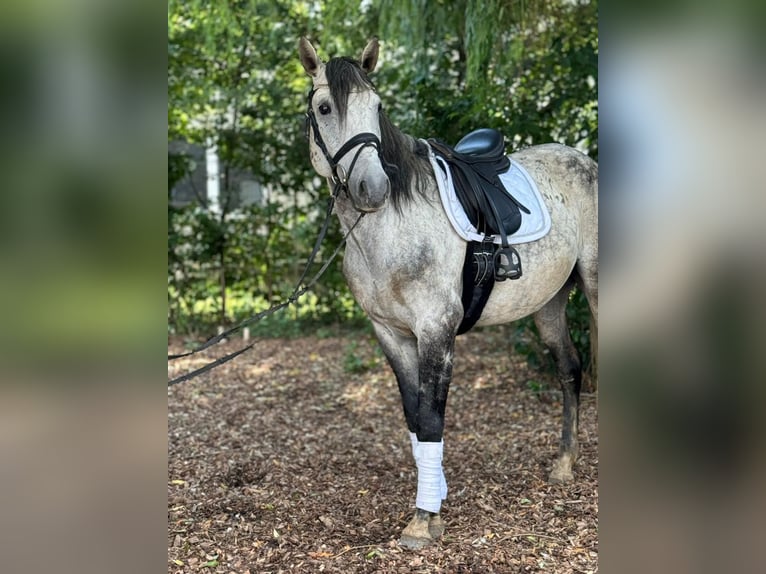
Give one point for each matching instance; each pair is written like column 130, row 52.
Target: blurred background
column 82, row 312
column 682, row 240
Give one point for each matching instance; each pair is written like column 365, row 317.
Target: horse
column 403, row 260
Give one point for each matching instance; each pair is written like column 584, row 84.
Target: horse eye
column 324, row 109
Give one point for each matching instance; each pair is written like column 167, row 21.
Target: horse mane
column 405, row 159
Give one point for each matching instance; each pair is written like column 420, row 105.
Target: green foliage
column 261, row 269
column 535, row 387
column 578, row 317
column 527, row 340
column 357, row 360
column 528, row 68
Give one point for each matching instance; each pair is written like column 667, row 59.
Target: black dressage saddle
column 475, row 163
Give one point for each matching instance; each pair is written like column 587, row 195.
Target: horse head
column 343, row 124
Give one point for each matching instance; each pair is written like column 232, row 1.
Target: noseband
column 340, row 176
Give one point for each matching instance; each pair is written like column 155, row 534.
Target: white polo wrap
column 443, row 483
column 432, row 486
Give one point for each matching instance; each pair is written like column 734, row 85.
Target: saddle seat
column 482, row 143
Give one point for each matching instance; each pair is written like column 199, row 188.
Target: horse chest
column 376, row 283
column 391, row 286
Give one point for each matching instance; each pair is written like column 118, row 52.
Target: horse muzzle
column 371, row 193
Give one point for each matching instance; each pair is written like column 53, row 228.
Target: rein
column 340, row 178
column 298, row 291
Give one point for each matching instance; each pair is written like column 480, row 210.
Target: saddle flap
column 488, row 206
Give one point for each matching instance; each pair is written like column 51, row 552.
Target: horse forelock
column 345, row 75
column 405, row 159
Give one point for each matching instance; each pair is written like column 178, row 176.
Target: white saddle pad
column 517, row 182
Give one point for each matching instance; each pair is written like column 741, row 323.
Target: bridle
column 340, row 176
column 340, row 181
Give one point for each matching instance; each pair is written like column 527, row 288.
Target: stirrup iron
column 507, row 264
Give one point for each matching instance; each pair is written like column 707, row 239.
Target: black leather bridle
column 340, row 181
column 340, row 176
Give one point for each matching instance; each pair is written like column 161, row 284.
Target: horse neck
column 406, row 207
column 419, row 218
column 413, row 179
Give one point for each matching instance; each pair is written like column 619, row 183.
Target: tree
column 528, row 68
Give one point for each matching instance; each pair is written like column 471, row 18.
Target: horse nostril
column 363, row 187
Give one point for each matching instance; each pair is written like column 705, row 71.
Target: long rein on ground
column 340, row 178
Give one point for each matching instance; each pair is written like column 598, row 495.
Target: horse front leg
column 414, row 361
column 434, row 375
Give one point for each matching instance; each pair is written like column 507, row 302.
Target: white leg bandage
column 428, row 457
column 443, row 482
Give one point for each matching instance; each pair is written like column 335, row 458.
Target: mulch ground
column 295, row 458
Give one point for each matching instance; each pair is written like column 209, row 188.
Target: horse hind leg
column 587, row 281
column 552, row 324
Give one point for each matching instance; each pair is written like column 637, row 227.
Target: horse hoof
column 414, row 542
column 562, row 470
column 416, row 534
column 436, row 526
column 560, row 478
column 560, row 475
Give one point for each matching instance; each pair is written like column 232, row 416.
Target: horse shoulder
column 406, row 269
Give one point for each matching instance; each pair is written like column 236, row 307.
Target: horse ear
column 309, row 59
column 369, row 57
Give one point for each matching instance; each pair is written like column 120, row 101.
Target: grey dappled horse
column 403, row 260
